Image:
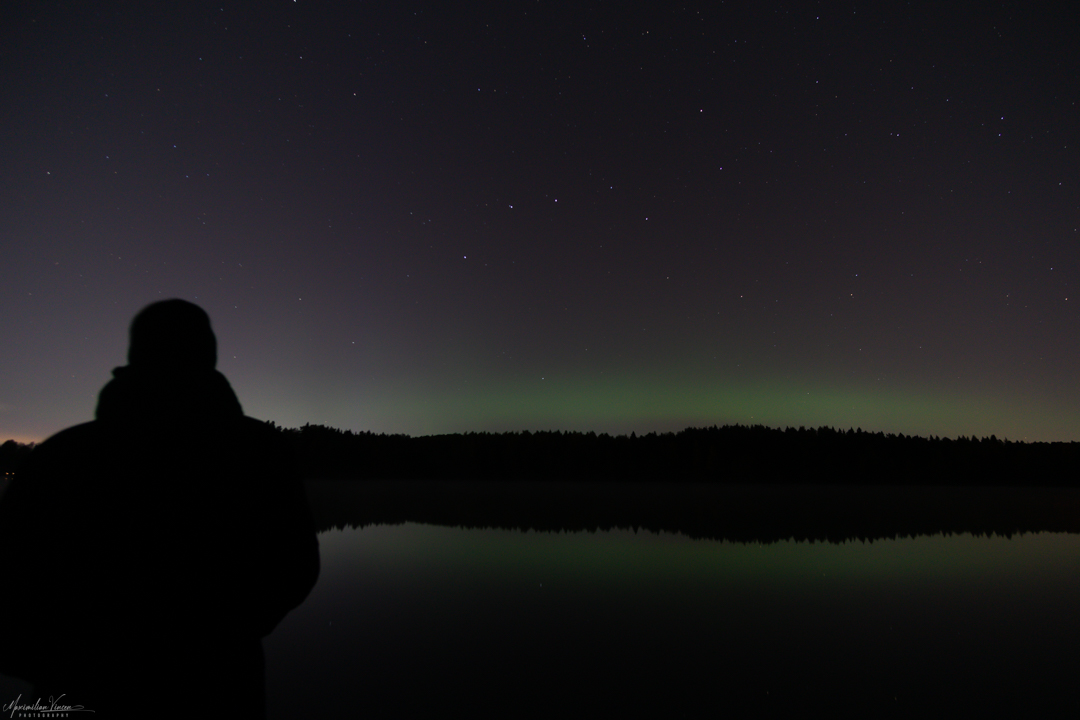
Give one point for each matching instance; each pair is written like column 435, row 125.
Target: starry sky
column 429, row 217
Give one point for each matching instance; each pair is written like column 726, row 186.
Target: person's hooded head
column 172, row 335
column 170, row 374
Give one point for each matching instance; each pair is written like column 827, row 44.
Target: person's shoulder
column 259, row 428
column 71, row 440
column 62, row 454
column 267, row 437
column 75, row 433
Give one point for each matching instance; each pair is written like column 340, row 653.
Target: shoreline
column 739, row 513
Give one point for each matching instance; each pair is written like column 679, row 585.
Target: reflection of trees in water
column 700, row 510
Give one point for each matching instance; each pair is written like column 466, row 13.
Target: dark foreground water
column 430, row 620
column 415, row 620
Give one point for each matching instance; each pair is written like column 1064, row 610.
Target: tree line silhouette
column 738, row 483
column 12, row 456
column 731, row 454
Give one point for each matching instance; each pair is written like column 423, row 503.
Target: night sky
column 429, row 217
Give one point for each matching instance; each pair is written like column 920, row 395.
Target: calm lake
column 412, row 619
column 421, row 619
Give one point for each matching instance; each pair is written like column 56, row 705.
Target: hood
column 141, row 394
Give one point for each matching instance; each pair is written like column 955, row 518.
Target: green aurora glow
column 632, row 403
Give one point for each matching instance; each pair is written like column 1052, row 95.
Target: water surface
column 414, row 618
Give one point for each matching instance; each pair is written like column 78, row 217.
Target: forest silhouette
column 738, row 483
column 730, row 454
column 734, row 454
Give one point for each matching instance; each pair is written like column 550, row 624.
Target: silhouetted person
column 145, row 555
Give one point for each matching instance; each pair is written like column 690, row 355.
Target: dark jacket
column 158, row 543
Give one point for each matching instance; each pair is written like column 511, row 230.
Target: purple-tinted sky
column 430, row 217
